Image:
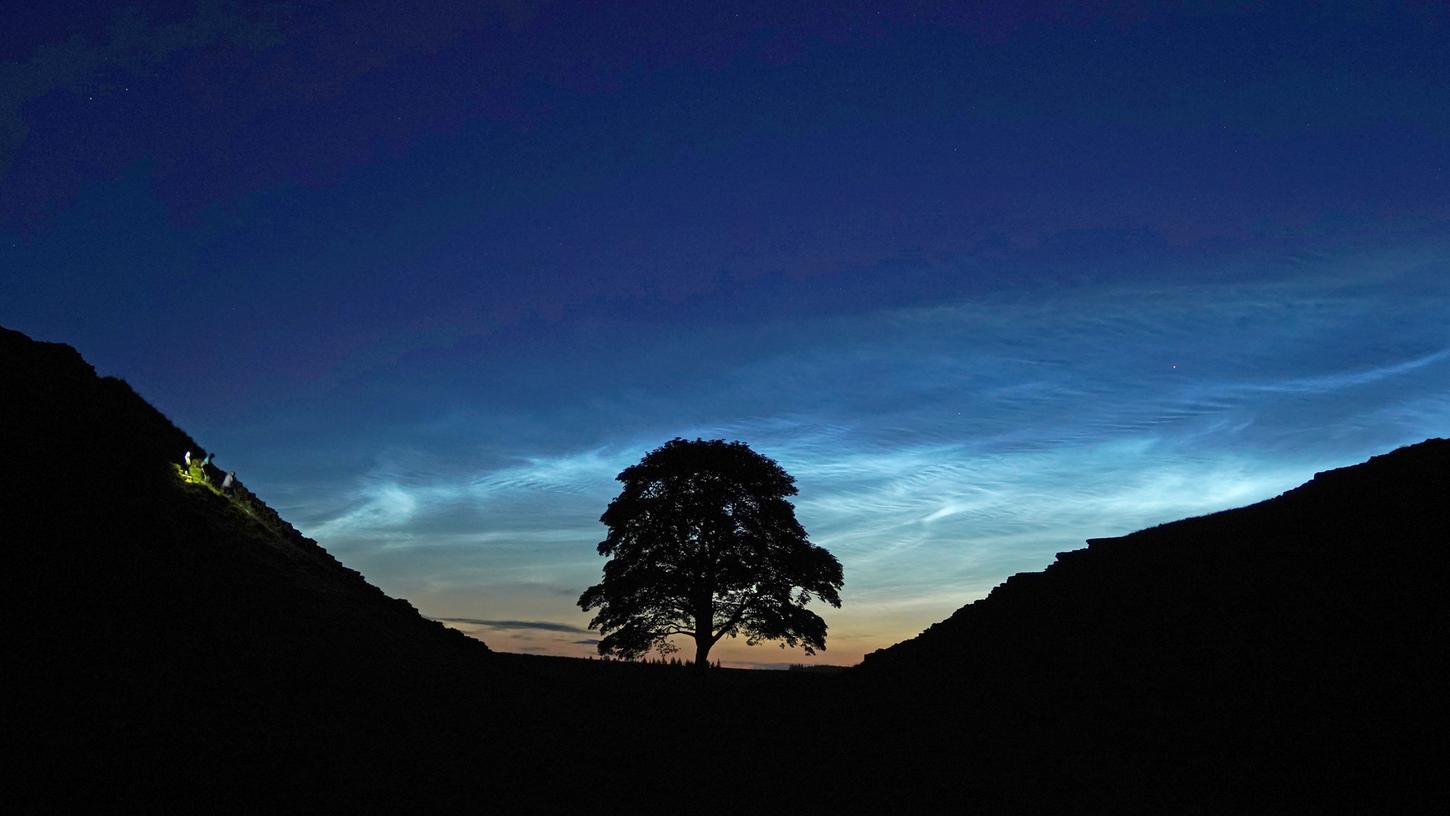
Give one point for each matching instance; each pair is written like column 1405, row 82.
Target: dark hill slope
column 170, row 648
column 92, row 480
column 147, row 615
column 1297, row 647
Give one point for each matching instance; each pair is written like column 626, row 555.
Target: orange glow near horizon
column 732, row 653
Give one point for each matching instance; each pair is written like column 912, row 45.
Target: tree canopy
column 703, row 544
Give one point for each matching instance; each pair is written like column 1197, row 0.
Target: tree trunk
column 704, row 622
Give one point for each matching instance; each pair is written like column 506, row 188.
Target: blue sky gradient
column 987, row 282
column 938, row 449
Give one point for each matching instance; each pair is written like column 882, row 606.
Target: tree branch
column 734, row 619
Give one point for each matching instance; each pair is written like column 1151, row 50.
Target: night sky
column 985, row 283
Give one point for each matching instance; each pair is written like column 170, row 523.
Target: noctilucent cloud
column 986, row 283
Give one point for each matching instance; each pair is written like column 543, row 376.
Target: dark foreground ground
column 531, row 734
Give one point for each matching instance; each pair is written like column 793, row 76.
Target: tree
column 703, row 543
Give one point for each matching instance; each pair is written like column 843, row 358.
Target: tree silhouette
column 703, row 543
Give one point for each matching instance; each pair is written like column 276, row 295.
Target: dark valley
column 170, row 644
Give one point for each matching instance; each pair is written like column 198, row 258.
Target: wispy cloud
column 940, row 449
column 1351, row 379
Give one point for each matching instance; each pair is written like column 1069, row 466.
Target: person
column 187, row 459
column 207, row 463
column 227, row 482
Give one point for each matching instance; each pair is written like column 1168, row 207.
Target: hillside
column 1298, row 645
column 98, row 500
column 1353, row 550
column 144, row 606
column 167, row 645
